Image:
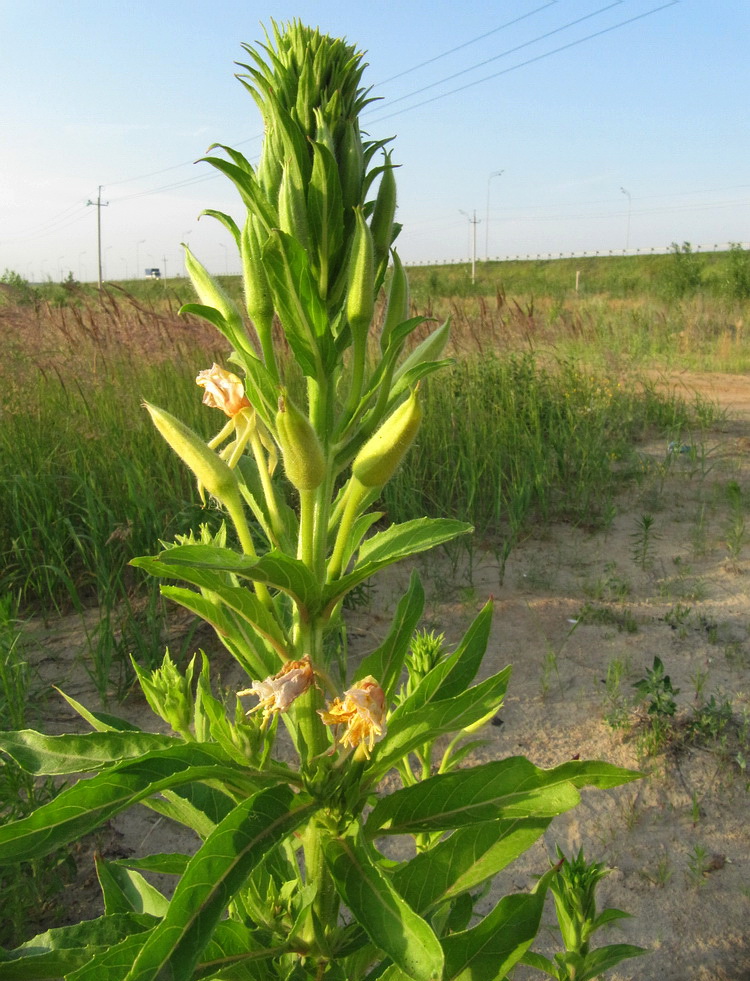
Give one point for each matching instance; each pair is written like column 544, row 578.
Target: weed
column 656, row 689
column 698, row 866
column 623, row 620
column 660, row 874
column 643, row 541
column 735, row 533
column 617, row 712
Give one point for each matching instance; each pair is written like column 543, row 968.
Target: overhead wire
column 530, row 61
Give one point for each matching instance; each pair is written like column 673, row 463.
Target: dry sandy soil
column 570, row 605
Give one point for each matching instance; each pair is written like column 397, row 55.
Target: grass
column 516, row 433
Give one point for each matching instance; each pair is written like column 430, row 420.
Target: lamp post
column 495, row 173
column 630, row 208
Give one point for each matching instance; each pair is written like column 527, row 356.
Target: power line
column 529, row 61
column 466, row 44
column 503, row 54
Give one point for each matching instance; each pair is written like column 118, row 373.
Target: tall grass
column 509, row 442
column 517, row 432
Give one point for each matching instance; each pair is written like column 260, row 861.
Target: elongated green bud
column 293, row 207
column 304, row 460
column 384, row 212
column 351, row 166
column 212, row 295
column 397, row 310
column 257, row 291
column 212, row 472
column 378, row 459
column 360, row 300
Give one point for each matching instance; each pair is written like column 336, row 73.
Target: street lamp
column 495, row 173
column 630, row 207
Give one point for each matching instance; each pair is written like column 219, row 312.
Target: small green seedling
column 574, row 891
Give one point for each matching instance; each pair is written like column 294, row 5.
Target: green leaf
column 101, row 721
column 397, row 542
column 89, row 803
column 386, row 662
column 508, row 788
column 56, row 952
column 491, row 948
column 276, row 569
column 464, row 860
column 212, row 878
column 449, row 715
column 126, row 891
column 596, row 962
column 390, row 922
column 39, row 753
column 165, row 863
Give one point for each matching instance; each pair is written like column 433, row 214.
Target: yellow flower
column 223, row 390
column 362, row 711
column 277, row 692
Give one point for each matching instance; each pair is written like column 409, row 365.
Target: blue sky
column 615, row 124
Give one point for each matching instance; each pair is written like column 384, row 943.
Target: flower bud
column 378, row 459
column 360, row 301
column 384, row 212
column 397, row 310
column 304, row 460
column 212, row 295
column 293, row 207
column 212, row 472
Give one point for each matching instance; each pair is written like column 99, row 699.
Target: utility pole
column 99, row 205
column 474, row 221
column 496, row 173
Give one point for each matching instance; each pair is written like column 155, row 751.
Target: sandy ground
column 570, row 605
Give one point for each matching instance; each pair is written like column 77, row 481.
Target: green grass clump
column 509, row 441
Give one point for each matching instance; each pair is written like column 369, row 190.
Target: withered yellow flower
column 277, row 692
column 223, row 390
column 362, row 712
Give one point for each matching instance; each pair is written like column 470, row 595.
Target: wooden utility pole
column 99, row 205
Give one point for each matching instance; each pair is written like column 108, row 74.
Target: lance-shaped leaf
column 395, row 543
column 464, row 860
column 387, row 919
column 505, row 789
column 89, row 803
column 276, row 569
column 126, row 891
column 325, row 210
column 449, row 715
column 491, row 948
column 387, row 661
column 57, row 952
column 453, row 674
column 36, row 752
column 213, row 877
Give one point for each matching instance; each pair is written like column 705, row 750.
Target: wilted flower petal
column 277, row 692
column 223, row 390
column 362, row 711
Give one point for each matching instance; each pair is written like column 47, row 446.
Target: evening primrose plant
column 305, row 863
